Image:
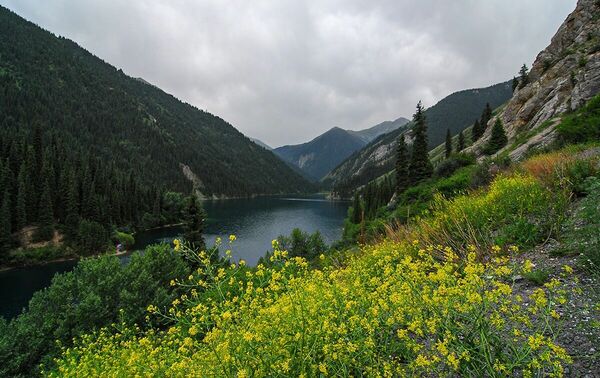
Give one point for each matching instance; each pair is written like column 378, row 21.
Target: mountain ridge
column 53, row 82
column 455, row 112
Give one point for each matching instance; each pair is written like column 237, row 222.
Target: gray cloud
column 285, row 71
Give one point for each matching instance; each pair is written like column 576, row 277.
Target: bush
column 92, row 237
column 582, row 126
column 127, row 240
column 98, row 292
column 448, row 166
column 302, row 244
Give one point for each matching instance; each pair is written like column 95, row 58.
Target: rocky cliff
column 563, row 77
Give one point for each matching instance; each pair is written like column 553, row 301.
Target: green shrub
column 127, row 240
column 92, row 237
column 582, row 126
column 448, row 166
column 538, row 276
column 98, row 292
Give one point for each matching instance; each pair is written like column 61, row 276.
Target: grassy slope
column 436, row 297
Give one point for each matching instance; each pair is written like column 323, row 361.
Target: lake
column 255, row 222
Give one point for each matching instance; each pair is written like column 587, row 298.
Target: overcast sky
column 286, row 71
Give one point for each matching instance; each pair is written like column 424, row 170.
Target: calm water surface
column 255, row 222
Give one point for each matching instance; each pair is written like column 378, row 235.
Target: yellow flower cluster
column 393, row 311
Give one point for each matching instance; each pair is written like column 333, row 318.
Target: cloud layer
column 285, row 71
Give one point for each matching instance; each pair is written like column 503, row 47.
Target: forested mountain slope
column 53, row 83
column 455, row 112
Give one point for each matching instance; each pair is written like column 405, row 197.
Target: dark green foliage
column 461, row 142
column 402, row 173
column 486, row 115
column 45, row 230
column 497, row 140
column 515, row 83
column 580, row 236
column 448, row 146
column 453, row 163
column 356, row 209
column 193, row 227
column 49, row 83
column 302, row 244
column 476, row 131
column 583, row 125
column 97, row 293
column 523, row 76
column 92, row 237
column 420, row 167
column 538, row 276
column 5, row 226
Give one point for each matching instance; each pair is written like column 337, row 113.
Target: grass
column 538, row 276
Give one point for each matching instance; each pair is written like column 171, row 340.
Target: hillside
column 322, row 154
column 455, row 112
column 53, row 83
column 564, row 76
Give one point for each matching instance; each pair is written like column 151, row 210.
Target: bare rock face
column 563, row 77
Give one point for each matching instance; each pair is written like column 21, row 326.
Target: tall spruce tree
column 486, row 115
column 356, row 209
column 46, row 215
column 448, row 143
column 402, row 161
column 193, row 228
column 420, row 167
column 498, row 138
column 5, row 223
column 515, row 83
column 461, row 142
column 476, row 131
column 523, row 76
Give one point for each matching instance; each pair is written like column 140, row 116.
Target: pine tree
column 46, row 215
column 420, row 167
column 476, row 131
column 486, row 115
column 515, row 83
column 356, row 210
column 461, row 142
column 448, row 143
column 21, row 207
column 523, row 76
column 194, row 224
column 402, row 179
column 5, row 225
column 498, row 138
column 72, row 208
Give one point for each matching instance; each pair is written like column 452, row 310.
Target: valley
column 143, row 236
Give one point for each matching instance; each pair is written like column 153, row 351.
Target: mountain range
column 320, row 155
column 455, row 112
